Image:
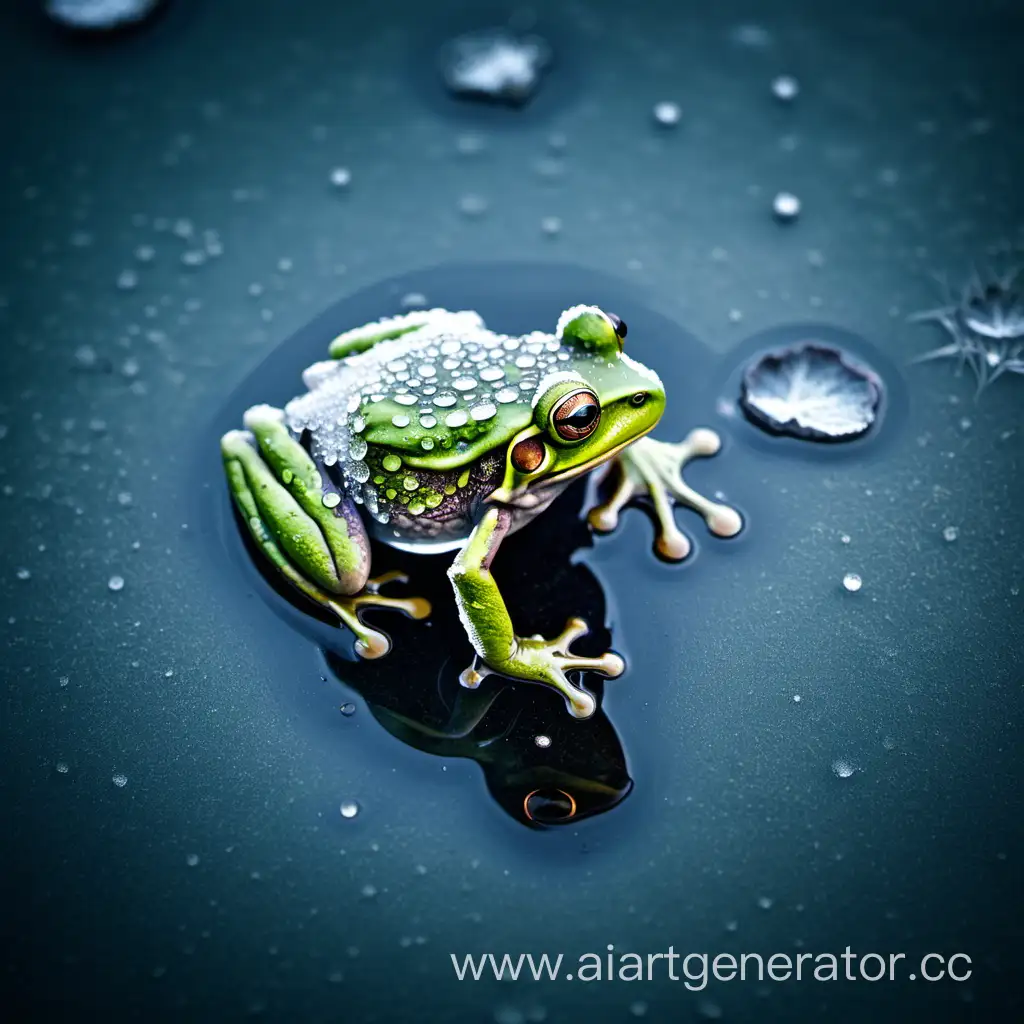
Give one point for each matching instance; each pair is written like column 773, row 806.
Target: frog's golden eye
column 576, row 416
column 620, row 326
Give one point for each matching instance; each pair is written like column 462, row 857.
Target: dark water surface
column 174, row 750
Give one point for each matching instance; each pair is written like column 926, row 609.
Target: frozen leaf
column 810, row 391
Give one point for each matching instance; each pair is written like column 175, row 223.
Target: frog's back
column 417, row 425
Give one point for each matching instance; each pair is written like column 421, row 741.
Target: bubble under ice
column 495, row 65
column 812, row 392
column 90, row 15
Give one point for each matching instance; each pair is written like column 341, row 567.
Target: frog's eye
column 576, row 416
column 619, row 324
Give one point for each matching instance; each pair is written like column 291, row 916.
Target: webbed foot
column 548, row 661
column 372, row 643
column 655, row 469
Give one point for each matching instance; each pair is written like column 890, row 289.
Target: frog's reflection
column 543, row 766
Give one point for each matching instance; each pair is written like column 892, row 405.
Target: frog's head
column 598, row 402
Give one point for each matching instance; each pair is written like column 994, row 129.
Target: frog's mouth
column 506, row 497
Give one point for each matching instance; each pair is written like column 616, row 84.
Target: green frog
column 431, row 433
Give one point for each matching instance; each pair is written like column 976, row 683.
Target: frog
column 431, row 433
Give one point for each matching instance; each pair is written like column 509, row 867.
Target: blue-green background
column 905, row 147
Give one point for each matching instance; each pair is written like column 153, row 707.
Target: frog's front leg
column 655, row 468
column 306, row 527
column 490, row 631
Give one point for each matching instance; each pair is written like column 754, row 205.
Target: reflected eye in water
column 549, row 806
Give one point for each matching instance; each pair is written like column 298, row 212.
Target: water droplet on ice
column 24, row 574
column 120, row 781
column 852, row 582
column 192, row 860
column 348, row 709
column 115, row 583
column 127, row 280
column 667, row 114
column 349, row 809
column 472, row 205
column 765, row 902
column 786, row 206
column 62, row 767
column 843, row 769
column 950, row 533
column 542, row 741
column 785, row 88
column 341, row 177
column 551, row 225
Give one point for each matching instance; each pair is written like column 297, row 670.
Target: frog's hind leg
column 308, row 530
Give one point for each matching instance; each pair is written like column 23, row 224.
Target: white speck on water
column 786, row 206
column 888, row 743
column 472, row 205
column 667, row 114
column 413, row 300
column 63, row 681
column 127, row 280
column 852, row 582
column 950, row 533
column 709, row 1010
column 115, row 583
column 785, row 88
column 145, row 253
column 508, row 1015
column 120, row 781
column 797, row 698
column 124, row 498
column 542, row 741
column 349, row 809
column 368, row 891
column 24, row 574
column 341, row 177
column 765, row 902
column 844, row 538
column 638, row 1008
column 551, row 225
column 62, row 767
column 192, row 860
column 99, row 14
